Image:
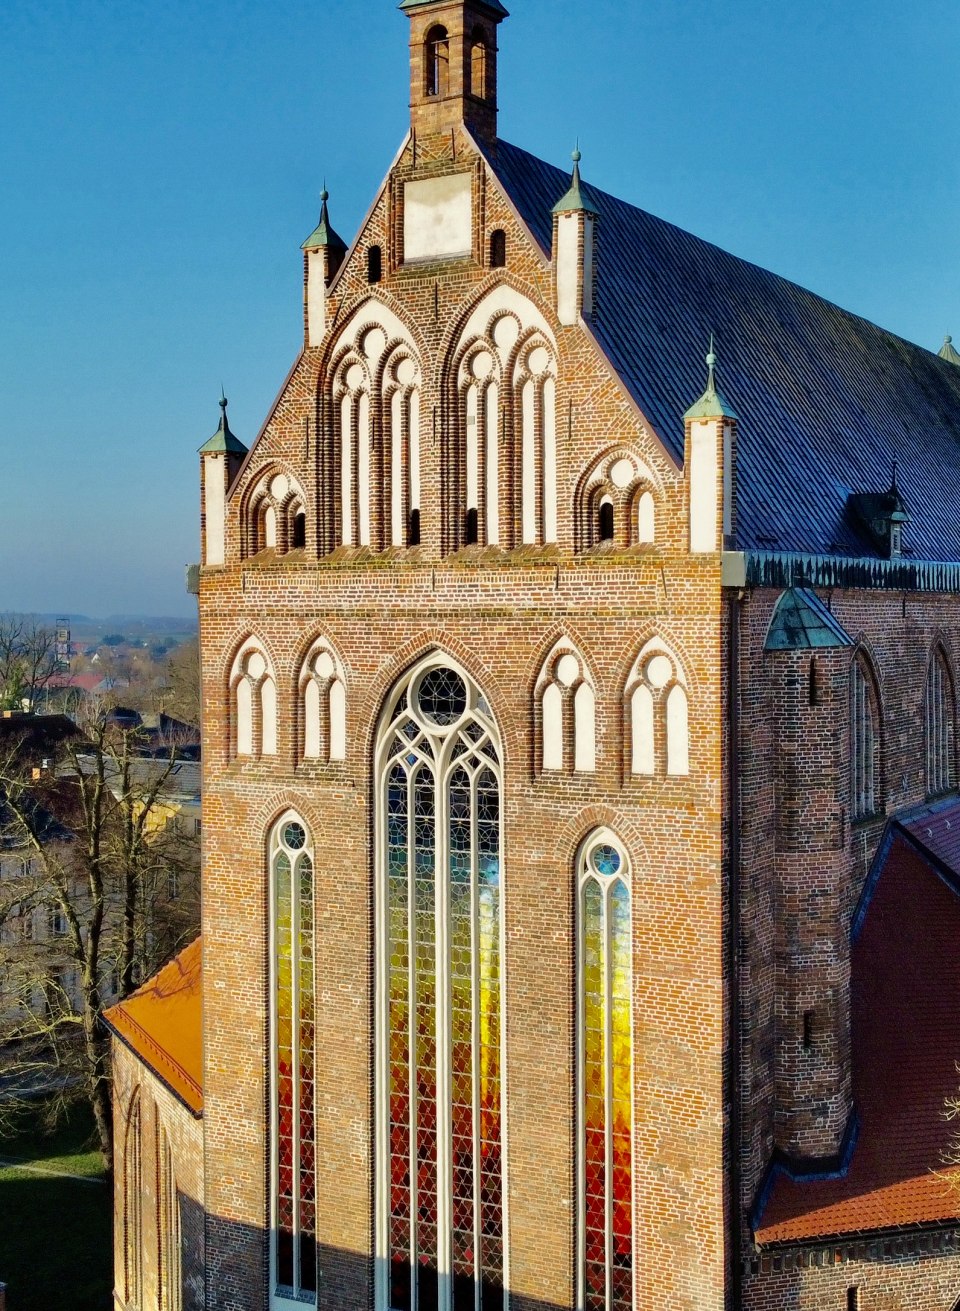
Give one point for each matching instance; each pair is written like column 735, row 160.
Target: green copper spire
column 323, row 234
column 711, row 404
column 577, row 200
column 948, row 351
column 223, row 440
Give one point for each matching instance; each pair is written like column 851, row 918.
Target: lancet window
column 605, row 1257
column 324, row 705
column 566, row 713
column 373, row 477
column 939, row 726
column 658, row 714
column 478, row 66
column 437, row 60
column 133, row 1205
column 864, row 740
column 293, row 1223
column 171, row 1279
column 253, row 696
column 277, row 517
column 616, row 503
column 535, row 382
column 440, row 1187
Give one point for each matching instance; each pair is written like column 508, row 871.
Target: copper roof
column 161, row 1023
column 906, row 1046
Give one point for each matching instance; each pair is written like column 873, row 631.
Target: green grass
column 56, row 1239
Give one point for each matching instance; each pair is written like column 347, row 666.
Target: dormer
column 453, row 66
column 882, row 516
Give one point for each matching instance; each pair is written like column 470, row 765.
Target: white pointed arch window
column 939, row 716
column 616, row 503
column 293, row 1191
column 864, row 740
column 605, row 1256
column 501, row 469
column 658, row 714
column 253, row 700
column 277, row 517
column 371, row 474
column 565, row 703
column 323, row 701
column 440, row 1195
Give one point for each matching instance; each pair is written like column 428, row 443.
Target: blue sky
column 160, row 165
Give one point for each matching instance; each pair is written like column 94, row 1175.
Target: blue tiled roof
column 824, row 398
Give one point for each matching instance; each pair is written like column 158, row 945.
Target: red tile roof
column 937, row 830
column 906, row 1046
column 162, row 1024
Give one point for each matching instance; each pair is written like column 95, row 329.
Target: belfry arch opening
column 437, row 50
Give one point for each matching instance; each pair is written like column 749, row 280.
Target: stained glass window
column 440, row 1187
column 294, row 1247
column 605, row 1129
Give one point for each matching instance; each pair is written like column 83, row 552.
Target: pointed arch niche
column 866, row 757
column 370, row 470
column 323, row 705
column 500, row 467
column 658, row 714
column 616, row 503
column 276, row 517
column 565, row 713
column 253, row 703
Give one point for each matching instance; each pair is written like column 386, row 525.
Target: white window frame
column 445, row 766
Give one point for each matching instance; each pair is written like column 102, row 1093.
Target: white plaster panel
column 703, row 487
column 214, row 509
column 568, row 269
column 438, row 217
column 641, row 712
column 493, row 490
column 552, row 727
column 678, row 732
column 584, row 713
column 316, row 299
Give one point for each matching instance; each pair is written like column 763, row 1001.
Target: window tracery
column 604, row 1076
column 293, row 1246
column 253, row 697
column 616, row 503
column 566, row 702
column 864, row 740
column 323, row 700
column 439, row 1164
column 658, row 709
column 939, row 725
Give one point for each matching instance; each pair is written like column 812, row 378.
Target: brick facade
column 782, row 1079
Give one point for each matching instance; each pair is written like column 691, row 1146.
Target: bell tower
column 453, row 65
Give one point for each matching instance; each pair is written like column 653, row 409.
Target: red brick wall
column 498, row 613
column 160, row 1113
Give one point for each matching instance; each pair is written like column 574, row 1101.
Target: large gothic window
column 864, row 741
column 440, row 1196
column 605, row 1074
column 133, row 1205
column 293, row 1247
column 939, row 726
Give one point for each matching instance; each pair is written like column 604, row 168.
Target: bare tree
column 105, row 891
column 28, row 661
column 183, row 677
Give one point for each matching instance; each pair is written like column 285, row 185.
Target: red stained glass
column 606, row 1114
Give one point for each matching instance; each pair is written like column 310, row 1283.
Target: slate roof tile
column 825, row 399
